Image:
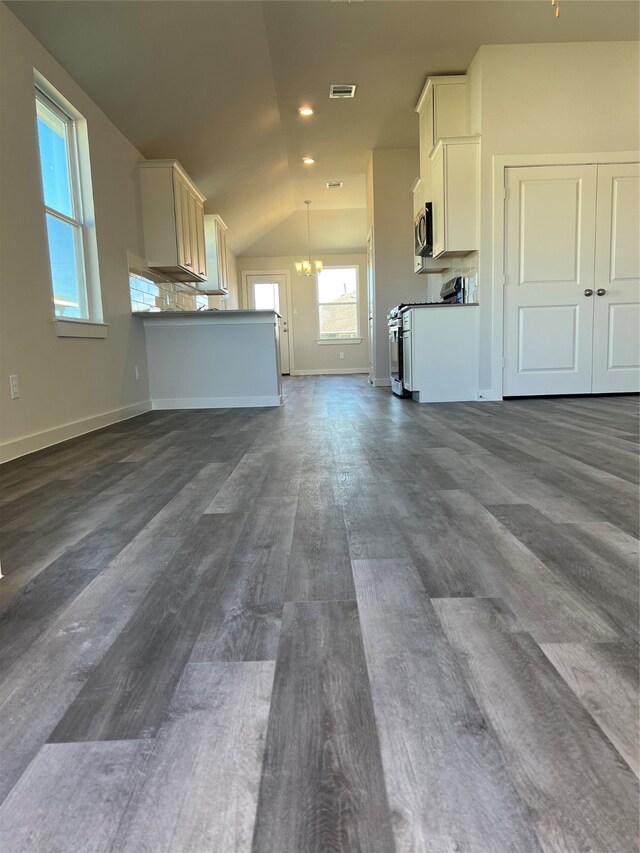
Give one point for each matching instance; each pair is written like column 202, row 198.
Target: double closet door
column 572, row 287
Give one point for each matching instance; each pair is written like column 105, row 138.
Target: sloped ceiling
column 338, row 231
column 217, row 85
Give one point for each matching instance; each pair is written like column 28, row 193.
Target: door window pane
column 67, row 278
column 54, row 160
column 266, row 296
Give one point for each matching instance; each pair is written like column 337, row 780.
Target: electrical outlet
column 15, row 388
column 341, row 355
column 137, row 370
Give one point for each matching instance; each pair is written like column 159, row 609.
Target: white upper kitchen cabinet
column 442, row 112
column 172, row 221
column 215, row 232
column 455, row 196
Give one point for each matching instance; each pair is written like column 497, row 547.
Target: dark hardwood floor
column 349, row 625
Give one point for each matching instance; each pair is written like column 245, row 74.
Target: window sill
column 80, row 328
column 337, row 341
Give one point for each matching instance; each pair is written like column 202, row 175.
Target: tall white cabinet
column 572, row 286
column 449, row 169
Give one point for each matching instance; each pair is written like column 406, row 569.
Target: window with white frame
column 337, row 292
column 65, row 203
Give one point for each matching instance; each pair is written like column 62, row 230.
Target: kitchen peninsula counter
column 212, row 359
column 253, row 314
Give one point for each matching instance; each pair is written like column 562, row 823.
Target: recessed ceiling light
column 308, row 161
column 305, row 111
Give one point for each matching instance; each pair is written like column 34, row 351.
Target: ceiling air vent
column 342, row 90
column 333, row 185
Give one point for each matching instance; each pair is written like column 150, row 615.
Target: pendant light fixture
column 307, row 267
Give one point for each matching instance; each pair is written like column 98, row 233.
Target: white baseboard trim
column 488, row 396
column 330, row 371
column 381, row 383
column 217, row 402
column 39, row 440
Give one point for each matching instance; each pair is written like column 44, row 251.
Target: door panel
column 270, row 292
column 550, row 225
column 554, row 326
column 185, row 197
column 623, row 351
column 616, row 331
column 549, row 210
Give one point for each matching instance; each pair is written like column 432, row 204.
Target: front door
column 269, row 292
column 549, row 285
column 616, row 335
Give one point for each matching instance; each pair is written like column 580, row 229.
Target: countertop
column 439, row 305
column 203, row 315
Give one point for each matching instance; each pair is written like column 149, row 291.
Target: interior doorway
column 269, row 291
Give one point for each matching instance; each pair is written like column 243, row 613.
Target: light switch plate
column 15, row 388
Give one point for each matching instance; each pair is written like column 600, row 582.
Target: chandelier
column 306, row 267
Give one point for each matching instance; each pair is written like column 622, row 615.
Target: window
column 65, row 204
column 338, row 303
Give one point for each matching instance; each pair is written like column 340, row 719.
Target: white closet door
column 616, row 330
column 549, row 301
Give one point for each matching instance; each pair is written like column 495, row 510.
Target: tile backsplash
column 465, row 265
column 147, row 295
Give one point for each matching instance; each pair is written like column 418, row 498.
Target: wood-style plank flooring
column 352, row 624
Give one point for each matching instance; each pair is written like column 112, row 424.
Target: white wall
column 545, row 99
column 308, row 355
column 334, row 230
column 67, row 385
column 392, row 171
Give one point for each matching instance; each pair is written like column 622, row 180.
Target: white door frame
column 371, row 307
column 245, row 297
column 501, row 162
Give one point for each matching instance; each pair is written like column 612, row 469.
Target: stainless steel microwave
column 423, row 233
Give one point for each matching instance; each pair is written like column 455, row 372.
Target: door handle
column 588, row 292
column 601, row 291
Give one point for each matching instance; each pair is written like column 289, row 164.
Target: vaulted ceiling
column 217, row 84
